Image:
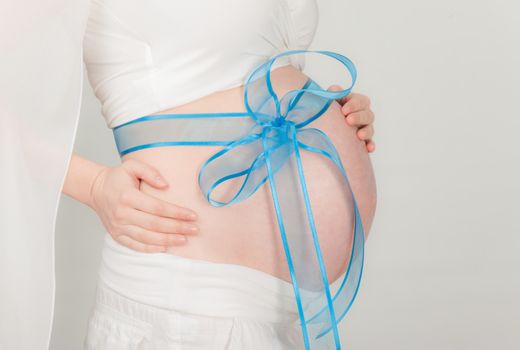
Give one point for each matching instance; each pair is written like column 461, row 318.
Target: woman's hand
column 357, row 112
column 135, row 219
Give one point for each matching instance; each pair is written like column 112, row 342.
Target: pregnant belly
column 246, row 233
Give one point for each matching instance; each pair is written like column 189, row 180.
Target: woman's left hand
column 357, row 112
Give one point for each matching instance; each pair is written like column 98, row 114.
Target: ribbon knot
column 279, row 121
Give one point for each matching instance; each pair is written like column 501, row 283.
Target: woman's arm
column 81, row 175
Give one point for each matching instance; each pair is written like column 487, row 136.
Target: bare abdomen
column 246, row 233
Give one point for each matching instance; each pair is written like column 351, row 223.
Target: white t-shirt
column 143, row 57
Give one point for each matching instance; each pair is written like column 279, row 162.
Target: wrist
column 94, row 186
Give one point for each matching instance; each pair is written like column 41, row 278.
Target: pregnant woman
column 176, row 271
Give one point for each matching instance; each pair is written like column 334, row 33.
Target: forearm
column 80, row 177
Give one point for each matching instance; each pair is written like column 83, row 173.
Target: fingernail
column 192, row 216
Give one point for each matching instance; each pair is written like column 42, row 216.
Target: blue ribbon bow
column 267, row 147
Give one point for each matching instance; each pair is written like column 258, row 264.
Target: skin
column 151, row 202
column 356, row 109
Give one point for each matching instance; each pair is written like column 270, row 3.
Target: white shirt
column 143, row 57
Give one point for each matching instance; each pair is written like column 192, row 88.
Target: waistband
column 197, row 286
column 145, row 316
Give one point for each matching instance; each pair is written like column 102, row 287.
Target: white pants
column 164, row 302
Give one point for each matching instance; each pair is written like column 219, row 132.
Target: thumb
column 145, row 172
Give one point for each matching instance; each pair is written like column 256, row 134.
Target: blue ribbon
column 264, row 144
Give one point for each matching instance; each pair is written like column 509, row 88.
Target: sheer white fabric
column 41, row 74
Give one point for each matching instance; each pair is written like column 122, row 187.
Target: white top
column 143, row 57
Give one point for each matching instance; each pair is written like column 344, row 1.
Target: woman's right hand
column 135, row 219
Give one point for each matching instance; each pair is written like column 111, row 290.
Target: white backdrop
column 442, row 261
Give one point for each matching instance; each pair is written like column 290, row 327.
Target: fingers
column 138, row 246
column 145, row 172
column 371, row 146
column 152, row 238
column 356, row 109
column 363, row 117
column 138, row 200
column 366, row 133
column 355, row 102
column 158, row 223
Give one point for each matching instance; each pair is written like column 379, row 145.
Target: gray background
column 442, row 261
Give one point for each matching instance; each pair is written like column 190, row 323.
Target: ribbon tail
column 315, row 140
column 301, row 245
